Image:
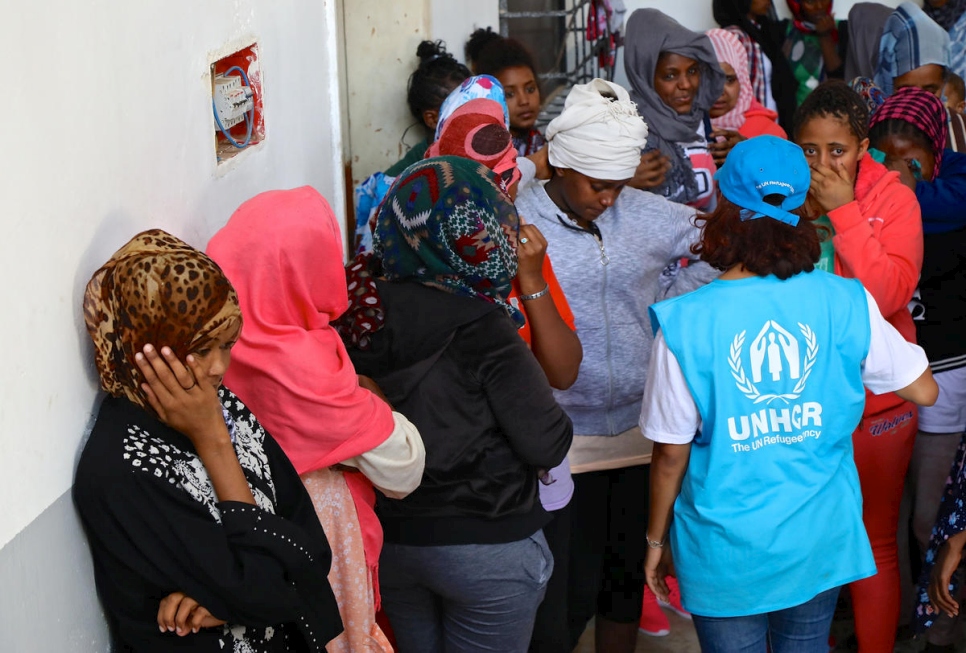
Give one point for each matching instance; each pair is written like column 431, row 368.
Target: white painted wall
column 107, row 130
column 696, row 15
column 381, row 55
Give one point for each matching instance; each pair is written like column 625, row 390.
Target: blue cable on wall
column 249, row 120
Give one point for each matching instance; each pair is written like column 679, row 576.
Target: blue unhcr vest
column 770, row 510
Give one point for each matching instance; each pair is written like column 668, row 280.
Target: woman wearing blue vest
column 767, row 364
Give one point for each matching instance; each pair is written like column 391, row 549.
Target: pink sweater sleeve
column 883, row 249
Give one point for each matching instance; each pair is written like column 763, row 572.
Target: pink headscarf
column 282, row 251
column 729, row 50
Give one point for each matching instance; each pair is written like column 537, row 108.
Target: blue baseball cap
column 763, row 166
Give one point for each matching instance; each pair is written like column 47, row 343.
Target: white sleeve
column 395, row 467
column 528, row 172
column 668, row 412
column 892, row 363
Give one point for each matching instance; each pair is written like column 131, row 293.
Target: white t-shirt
column 670, row 416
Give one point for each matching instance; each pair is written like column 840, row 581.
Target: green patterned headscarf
column 446, row 224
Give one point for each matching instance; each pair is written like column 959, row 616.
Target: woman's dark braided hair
column 438, row 73
column 835, row 98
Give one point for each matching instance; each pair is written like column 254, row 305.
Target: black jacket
column 155, row 526
column 457, row 369
column 940, row 312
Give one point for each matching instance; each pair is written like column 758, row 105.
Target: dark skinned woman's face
column 930, row 77
column 585, row 198
column 813, row 10
column 676, row 81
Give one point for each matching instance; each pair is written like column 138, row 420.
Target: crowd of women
column 661, row 353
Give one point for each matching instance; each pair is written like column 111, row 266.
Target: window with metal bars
column 573, row 42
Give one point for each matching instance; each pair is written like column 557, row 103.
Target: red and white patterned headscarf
column 477, row 130
column 730, row 51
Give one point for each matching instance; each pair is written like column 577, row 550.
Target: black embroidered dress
column 155, row 527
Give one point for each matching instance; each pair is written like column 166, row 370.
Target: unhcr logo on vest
column 780, row 363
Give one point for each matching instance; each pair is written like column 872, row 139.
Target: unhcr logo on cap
column 780, row 184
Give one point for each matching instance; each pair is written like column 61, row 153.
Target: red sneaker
column 674, row 598
column 653, row 620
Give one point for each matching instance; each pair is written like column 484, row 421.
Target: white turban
column 599, row 133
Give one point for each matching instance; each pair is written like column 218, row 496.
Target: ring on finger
column 193, row 384
column 524, row 240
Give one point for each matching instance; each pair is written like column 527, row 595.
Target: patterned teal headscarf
column 446, row 224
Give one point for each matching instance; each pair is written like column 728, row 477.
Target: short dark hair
column 956, row 83
column 492, row 53
column 438, row 73
column 763, row 245
column 834, row 98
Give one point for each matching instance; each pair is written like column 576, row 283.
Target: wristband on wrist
column 655, row 544
column 536, row 295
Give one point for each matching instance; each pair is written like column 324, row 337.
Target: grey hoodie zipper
column 594, row 231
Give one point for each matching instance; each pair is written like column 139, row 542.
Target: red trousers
column 883, row 447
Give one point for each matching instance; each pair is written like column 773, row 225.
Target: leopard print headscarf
column 156, row 289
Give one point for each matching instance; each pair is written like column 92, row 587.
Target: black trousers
column 608, row 543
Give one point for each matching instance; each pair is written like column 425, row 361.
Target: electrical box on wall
column 233, row 101
column 236, row 102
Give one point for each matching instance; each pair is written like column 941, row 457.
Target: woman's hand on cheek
column 905, row 174
column 831, row 188
column 825, row 25
column 531, row 250
column 181, row 402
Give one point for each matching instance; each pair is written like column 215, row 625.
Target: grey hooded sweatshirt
column 641, row 235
